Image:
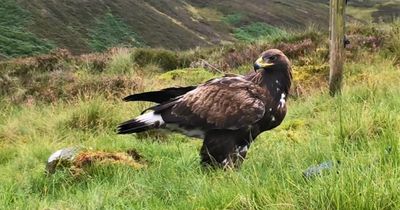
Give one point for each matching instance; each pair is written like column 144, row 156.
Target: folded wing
column 161, row 95
column 226, row 103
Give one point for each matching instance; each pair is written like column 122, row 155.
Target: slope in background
column 34, row 27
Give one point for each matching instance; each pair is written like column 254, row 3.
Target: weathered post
column 337, row 26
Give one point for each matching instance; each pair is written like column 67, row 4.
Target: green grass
column 366, row 178
column 111, row 31
column 233, row 19
column 256, row 31
column 359, row 129
column 121, row 62
column 14, row 38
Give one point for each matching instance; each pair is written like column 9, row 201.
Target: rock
column 61, row 157
column 317, row 170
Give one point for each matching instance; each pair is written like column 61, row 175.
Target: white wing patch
column 282, row 101
column 243, row 149
column 151, row 118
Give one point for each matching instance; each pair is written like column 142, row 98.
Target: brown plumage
column 228, row 112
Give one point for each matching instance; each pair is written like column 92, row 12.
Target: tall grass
column 121, row 62
column 393, row 44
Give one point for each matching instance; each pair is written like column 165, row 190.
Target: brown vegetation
column 119, row 71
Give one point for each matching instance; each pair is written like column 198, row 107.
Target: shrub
column 56, row 60
column 94, row 62
column 8, row 85
column 238, row 55
column 64, row 85
column 189, row 76
column 46, row 87
column 107, row 86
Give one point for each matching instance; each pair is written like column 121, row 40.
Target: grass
column 14, row 39
column 111, row 31
column 364, row 14
column 359, row 129
column 121, row 62
column 234, row 19
column 271, row 177
column 207, row 14
column 256, row 31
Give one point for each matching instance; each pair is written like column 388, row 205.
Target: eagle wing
column 225, row 103
column 160, row 96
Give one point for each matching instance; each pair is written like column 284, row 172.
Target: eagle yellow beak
column 260, row 63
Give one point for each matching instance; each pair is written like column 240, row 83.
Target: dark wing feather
column 226, row 103
column 160, row 96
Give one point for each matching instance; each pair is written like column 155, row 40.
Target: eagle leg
column 224, row 149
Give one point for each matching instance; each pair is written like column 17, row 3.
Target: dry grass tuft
column 131, row 158
column 87, row 162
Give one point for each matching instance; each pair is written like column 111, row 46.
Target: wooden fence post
column 336, row 26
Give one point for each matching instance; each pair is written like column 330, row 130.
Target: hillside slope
column 32, row 26
column 172, row 24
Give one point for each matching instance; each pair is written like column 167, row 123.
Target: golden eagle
column 228, row 112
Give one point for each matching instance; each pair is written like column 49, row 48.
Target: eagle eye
column 273, row 58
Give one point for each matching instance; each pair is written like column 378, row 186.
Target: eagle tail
column 142, row 123
column 160, row 96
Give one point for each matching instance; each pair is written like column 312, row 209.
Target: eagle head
column 270, row 59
